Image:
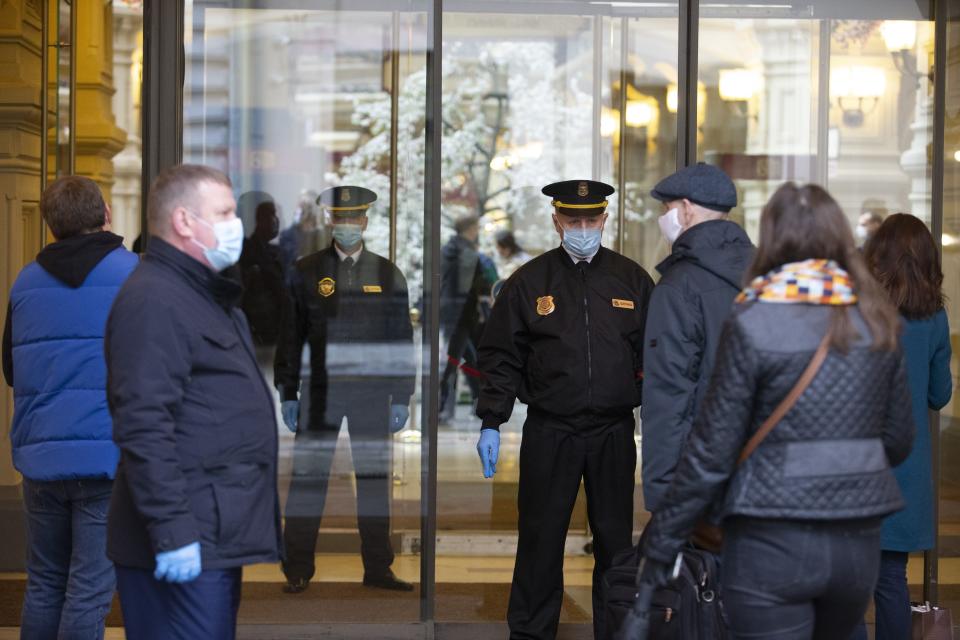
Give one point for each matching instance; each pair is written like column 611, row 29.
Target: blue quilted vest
column 61, row 424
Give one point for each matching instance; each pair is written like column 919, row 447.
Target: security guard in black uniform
column 566, row 337
column 352, row 307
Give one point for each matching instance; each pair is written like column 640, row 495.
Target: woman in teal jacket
column 903, row 257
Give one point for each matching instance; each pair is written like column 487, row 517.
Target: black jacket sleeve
column 8, row 346
column 502, row 357
column 148, row 369
column 294, row 327
column 672, row 358
column 710, row 457
column 898, row 428
column 402, row 338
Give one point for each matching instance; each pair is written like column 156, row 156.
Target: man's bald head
column 176, row 187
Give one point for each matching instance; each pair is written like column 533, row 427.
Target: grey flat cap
column 702, row 184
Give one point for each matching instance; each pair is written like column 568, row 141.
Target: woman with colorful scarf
column 801, row 516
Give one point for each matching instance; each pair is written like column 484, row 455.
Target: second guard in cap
column 566, row 338
column 351, row 306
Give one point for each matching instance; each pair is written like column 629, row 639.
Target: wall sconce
column 858, row 90
column 639, row 113
column 738, row 85
column 900, row 38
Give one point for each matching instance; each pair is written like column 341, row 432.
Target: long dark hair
column 903, row 257
column 803, row 223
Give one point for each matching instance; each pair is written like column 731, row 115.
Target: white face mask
column 670, row 225
column 229, row 234
column 861, row 232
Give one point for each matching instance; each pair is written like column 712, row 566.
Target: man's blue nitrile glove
column 290, row 410
column 488, row 447
column 179, row 565
column 398, row 417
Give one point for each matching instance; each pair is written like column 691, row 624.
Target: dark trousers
column 314, row 447
column 70, row 581
column 792, row 580
column 553, row 459
column 891, row 599
column 204, row 609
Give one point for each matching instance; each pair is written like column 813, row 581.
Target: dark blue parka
column 193, row 417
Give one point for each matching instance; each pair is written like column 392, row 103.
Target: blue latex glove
column 179, row 565
column 290, row 410
column 488, row 448
column 398, row 417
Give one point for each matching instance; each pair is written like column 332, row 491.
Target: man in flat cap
column 566, row 338
column 699, row 280
column 351, row 306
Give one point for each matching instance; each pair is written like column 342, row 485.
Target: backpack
column 687, row 609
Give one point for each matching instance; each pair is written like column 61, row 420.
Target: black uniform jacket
column 567, row 340
column 357, row 322
column 193, row 417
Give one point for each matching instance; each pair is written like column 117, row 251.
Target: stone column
column 127, row 73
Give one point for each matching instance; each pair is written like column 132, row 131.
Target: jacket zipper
column 586, row 320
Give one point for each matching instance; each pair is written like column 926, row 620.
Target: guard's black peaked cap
column 347, row 200
column 579, row 197
column 702, row 184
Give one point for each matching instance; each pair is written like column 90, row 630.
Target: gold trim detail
column 356, row 208
column 596, row 205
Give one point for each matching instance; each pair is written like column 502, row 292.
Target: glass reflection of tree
column 504, row 103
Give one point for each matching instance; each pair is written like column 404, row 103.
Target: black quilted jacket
column 830, row 456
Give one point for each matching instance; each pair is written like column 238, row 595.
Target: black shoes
column 296, row 585
column 387, row 581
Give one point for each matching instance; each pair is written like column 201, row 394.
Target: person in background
column 566, row 338
column 352, row 308
column 903, row 257
column 872, row 214
column 699, row 280
column 61, row 431
column 512, row 256
column 263, row 282
column 801, row 515
column 195, row 498
column 466, row 281
column 308, row 234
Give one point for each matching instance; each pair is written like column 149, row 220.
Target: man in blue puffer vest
column 61, row 434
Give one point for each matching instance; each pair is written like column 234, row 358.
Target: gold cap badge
column 582, row 190
column 345, row 195
column 545, row 305
column 326, row 287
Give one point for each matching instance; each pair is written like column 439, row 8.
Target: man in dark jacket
column 566, row 337
column 351, row 306
column 195, row 497
column 263, row 280
column 53, row 359
column 699, row 280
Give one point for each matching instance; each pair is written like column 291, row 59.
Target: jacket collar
column 72, row 259
column 564, row 258
column 220, row 287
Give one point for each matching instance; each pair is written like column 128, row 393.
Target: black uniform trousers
column 368, row 414
column 553, row 459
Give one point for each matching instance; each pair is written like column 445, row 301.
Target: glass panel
column 950, row 415
column 533, row 93
column 838, row 96
column 291, row 102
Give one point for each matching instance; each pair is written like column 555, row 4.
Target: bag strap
column 787, row 403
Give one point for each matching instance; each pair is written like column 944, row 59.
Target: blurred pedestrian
column 512, row 255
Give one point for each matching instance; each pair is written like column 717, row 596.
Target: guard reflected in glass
column 351, row 307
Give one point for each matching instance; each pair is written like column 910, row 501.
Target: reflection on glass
column 298, row 106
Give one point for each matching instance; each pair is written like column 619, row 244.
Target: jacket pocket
column 221, row 339
column 244, row 500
